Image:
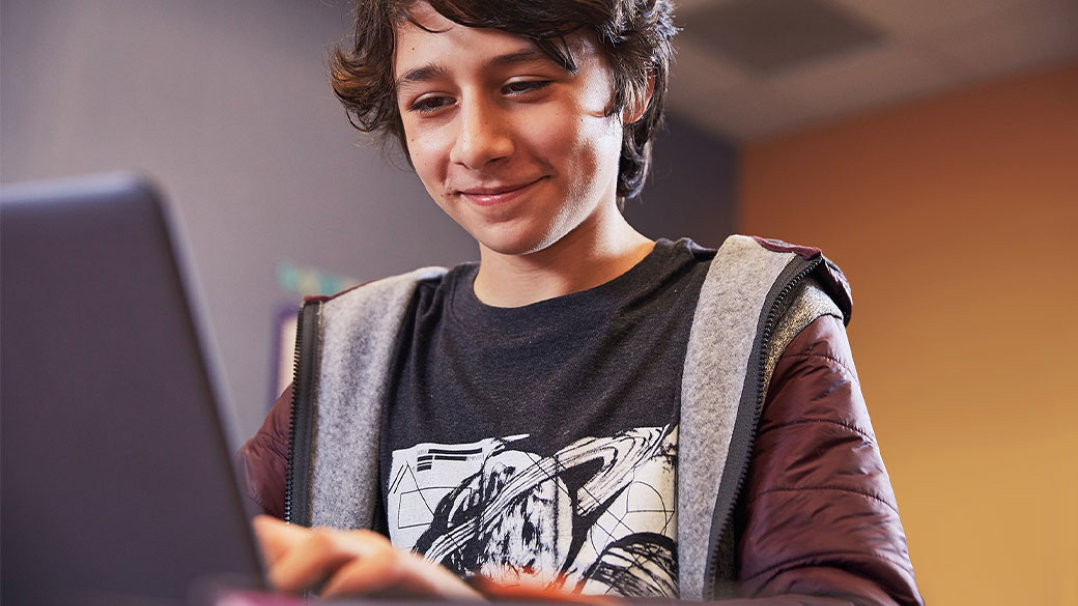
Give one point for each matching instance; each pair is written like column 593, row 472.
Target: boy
column 585, row 411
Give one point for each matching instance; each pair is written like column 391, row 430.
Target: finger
column 320, row 553
column 392, row 573
column 373, row 574
column 276, row 537
column 427, row 578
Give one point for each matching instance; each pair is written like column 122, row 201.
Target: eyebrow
column 432, row 71
column 428, row 72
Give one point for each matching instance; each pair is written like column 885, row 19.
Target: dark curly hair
column 635, row 35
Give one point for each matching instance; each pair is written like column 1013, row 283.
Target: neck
column 600, row 249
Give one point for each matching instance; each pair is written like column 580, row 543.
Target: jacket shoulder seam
column 826, row 487
column 868, row 436
column 805, row 356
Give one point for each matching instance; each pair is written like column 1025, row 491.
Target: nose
column 483, row 134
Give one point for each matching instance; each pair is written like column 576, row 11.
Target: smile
column 491, row 195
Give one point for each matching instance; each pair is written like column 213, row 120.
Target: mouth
column 494, row 194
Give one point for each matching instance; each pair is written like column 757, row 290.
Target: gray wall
column 691, row 190
column 226, row 105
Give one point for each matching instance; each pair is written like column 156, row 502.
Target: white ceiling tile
column 718, row 95
column 694, row 66
column 914, row 17
column 730, row 120
column 742, row 112
column 686, row 7
column 870, row 78
column 1013, row 39
column 931, row 45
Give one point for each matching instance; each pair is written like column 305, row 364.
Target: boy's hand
column 338, row 562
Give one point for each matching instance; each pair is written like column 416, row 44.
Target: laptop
column 117, row 485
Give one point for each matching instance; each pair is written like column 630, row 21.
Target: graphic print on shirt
column 597, row 516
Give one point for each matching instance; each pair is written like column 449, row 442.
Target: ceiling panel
column 772, row 36
column 914, row 17
column 719, row 96
column 1013, row 39
column 740, row 74
column 873, row 77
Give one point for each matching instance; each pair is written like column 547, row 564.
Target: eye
column 426, row 105
column 520, row 87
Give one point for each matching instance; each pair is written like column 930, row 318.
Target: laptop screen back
column 116, row 479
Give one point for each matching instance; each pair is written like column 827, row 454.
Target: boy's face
column 513, row 147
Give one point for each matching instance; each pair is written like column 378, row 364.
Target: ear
column 635, row 110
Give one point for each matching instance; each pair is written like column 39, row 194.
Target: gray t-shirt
column 541, row 441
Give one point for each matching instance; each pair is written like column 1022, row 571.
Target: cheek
column 596, row 148
column 425, row 158
column 575, row 137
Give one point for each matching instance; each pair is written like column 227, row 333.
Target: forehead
column 428, row 37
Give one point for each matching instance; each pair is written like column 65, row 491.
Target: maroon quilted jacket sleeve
column 819, row 514
column 263, row 461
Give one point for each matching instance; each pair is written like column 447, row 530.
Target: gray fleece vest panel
column 720, row 342
column 358, row 333
column 724, row 331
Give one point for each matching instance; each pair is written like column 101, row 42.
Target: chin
column 516, row 244
column 514, row 248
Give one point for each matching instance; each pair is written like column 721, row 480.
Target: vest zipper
column 741, row 443
column 301, row 415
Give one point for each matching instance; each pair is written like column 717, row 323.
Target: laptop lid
column 116, row 478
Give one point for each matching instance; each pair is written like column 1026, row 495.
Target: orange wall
column 956, row 220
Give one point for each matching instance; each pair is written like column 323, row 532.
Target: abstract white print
column 597, row 516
